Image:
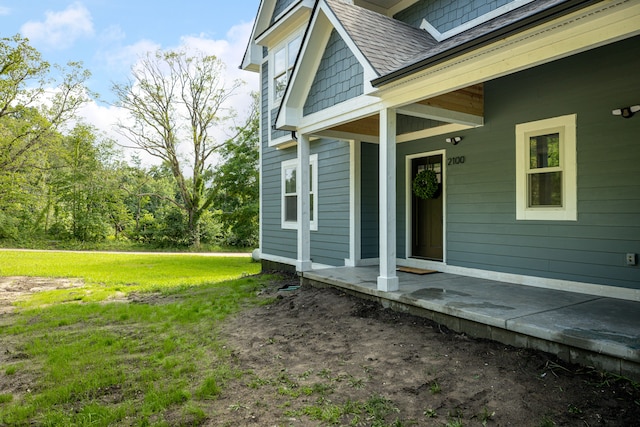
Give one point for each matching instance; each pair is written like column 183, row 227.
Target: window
column 546, row 169
column 283, row 61
column 290, row 196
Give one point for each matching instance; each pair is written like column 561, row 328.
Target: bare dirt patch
column 351, row 350
column 15, row 288
column 315, row 352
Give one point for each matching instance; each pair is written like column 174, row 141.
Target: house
column 523, row 110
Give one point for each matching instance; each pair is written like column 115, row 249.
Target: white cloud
column 60, row 30
column 112, row 33
column 230, row 51
column 121, row 59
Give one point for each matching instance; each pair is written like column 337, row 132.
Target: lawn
column 136, row 344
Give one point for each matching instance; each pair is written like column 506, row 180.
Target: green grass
column 100, row 363
column 121, row 272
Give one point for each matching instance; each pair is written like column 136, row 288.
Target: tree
column 33, row 105
column 87, row 197
column 175, row 102
column 236, row 184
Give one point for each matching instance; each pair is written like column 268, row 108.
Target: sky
column 109, row 36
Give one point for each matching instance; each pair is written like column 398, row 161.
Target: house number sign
column 455, row 160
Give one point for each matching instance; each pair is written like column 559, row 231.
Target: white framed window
column 546, row 169
column 290, row 196
column 283, row 59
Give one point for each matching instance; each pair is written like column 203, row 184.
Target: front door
column 427, row 215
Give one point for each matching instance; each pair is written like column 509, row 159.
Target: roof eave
column 508, row 30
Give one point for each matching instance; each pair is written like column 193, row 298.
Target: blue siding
column 445, row 15
column 369, row 201
column 407, row 124
column 275, row 133
column 330, row 244
column 281, row 6
column 482, row 231
column 275, row 240
column 339, row 77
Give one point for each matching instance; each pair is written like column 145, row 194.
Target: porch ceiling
column 464, row 107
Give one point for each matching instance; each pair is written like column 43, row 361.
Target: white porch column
column 303, row 262
column 387, row 280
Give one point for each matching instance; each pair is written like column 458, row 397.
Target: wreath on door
column 425, row 184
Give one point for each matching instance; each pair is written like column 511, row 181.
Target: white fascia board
column 594, row 26
column 401, row 5
column 321, row 25
column 252, row 58
column 303, row 73
column 441, row 114
column 431, row 132
column 281, row 30
column 344, row 112
column 253, row 53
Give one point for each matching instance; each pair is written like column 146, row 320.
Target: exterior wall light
column 626, row 112
column 454, row 140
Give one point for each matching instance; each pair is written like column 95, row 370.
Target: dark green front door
column 427, row 214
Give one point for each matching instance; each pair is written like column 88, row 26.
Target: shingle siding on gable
column 446, row 15
column 281, row 5
column 339, row 77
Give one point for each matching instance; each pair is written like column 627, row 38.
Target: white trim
column 355, row 244
column 344, row 112
column 294, row 15
column 441, row 114
column 278, row 258
column 260, row 168
column 538, row 282
column 408, row 199
column 430, row 132
column 282, row 142
column 426, row 25
column 287, row 164
column 387, row 279
column 588, row 28
column 303, row 187
column 565, row 126
column 305, row 69
column 293, row 262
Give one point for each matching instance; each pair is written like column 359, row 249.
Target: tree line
column 62, row 179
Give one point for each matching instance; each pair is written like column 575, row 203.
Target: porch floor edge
column 588, row 330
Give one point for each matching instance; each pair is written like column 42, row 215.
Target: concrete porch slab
column 581, row 328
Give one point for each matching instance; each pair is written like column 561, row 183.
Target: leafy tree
column 33, row 105
column 175, row 102
column 88, row 199
column 236, row 184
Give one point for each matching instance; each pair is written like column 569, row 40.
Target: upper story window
column 284, row 58
column 546, row 169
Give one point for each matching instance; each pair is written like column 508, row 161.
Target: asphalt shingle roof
column 385, row 42
column 392, row 46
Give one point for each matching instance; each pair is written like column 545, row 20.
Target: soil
column 321, row 348
column 431, row 375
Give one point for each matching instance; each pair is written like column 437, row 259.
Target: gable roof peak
column 385, row 42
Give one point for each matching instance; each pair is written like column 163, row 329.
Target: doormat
column 414, row 270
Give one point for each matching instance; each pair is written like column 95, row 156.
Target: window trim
column 288, row 164
column 565, row 126
column 288, row 64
